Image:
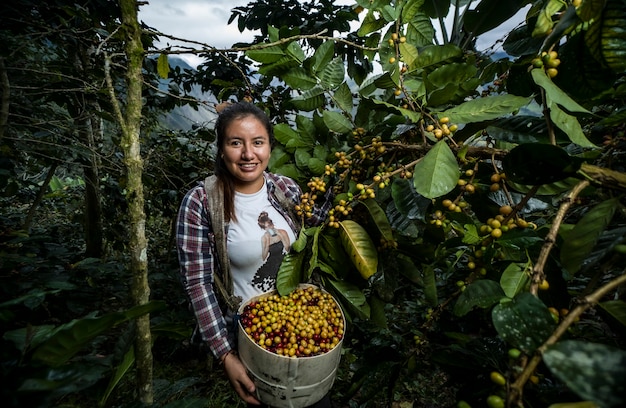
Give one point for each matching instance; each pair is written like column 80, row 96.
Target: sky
column 205, row 21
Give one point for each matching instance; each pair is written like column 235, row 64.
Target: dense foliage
column 477, row 240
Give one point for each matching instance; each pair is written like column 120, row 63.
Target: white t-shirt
column 256, row 251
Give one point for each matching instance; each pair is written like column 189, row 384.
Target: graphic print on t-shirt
column 274, row 244
column 254, row 261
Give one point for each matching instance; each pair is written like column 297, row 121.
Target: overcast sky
column 205, row 21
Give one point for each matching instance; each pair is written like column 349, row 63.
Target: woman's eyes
column 239, row 142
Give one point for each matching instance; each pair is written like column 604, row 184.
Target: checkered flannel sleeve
column 194, row 237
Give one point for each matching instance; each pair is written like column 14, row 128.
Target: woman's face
column 246, row 153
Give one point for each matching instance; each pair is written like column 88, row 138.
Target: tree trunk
column 134, row 165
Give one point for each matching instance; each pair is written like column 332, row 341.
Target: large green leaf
column 297, row 78
column 310, row 99
column 359, row 247
column 323, row 55
column 370, row 24
column 482, row 293
column 549, row 164
column 266, row 55
column 351, row 296
column 617, row 309
column 337, row 122
column 436, row 55
column 596, row 372
column 514, row 279
column 525, row 322
column 437, row 173
column 569, row 125
column 407, row 201
column 554, row 93
column 379, row 218
column 489, row 14
column 579, row 242
column 343, row 98
column 333, row 74
column 613, row 39
column 290, row 272
column 487, row 108
column 73, row 336
column 430, row 285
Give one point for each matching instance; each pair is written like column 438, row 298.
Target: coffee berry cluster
column 305, row 323
column 442, row 127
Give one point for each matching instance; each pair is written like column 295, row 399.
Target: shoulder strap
column 224, row 284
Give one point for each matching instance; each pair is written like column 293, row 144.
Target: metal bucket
column 288, row 382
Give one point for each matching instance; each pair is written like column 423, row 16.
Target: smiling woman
column 222, row 233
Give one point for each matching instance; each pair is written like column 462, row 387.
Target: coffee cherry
column 307, row 322
column 497, row 378
column 495, row 401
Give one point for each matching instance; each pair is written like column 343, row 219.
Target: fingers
column 241, row 382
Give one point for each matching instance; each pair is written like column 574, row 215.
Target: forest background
column 477, row 239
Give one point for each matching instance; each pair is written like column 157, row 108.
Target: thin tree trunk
column 42, row 190
column 93, row 204
column 4, row 98
column 134, row 165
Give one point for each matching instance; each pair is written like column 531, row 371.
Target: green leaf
column 409, row 53
column 407, row 201
column 297, row 78
column 302, row 157
column 487, row 108
column 435, row 55
column 163, row 66
column 413, row 116
column 370, row 24
column 295, row 51
column 569, row 125
column 437, row 173
column 471, row 235
column 333, row 74
column 316, row 166
column 359, row 246
column 550, row 164
column 554, row 93
column 430, row 285
column 617, row 309
column 266, row 55
column 409, row 270
column 350, row 295
column 579, row 242
column 300, row 243
column 290, row 273
column 410, row 9
column 337, row 122
column 514, row 279
column 377, row 312
column 323, row 55
column 310, row 99
column 284, row 133
column 343, row 97
column 482, row 293
column 379, row 218
column 72, row 337
column 595, row 372
column 525, row 322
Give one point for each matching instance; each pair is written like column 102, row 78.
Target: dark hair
column 228, row 115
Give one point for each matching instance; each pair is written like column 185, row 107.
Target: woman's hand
column 238, row 376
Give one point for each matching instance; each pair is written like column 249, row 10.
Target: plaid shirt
column 195, row 242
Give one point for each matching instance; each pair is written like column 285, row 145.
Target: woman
column 220, row 246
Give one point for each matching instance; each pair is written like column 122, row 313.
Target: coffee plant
column 478, row 219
